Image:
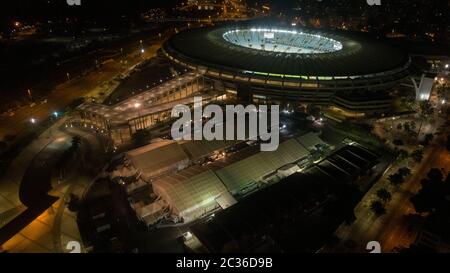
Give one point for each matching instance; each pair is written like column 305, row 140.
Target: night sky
column 34, row 10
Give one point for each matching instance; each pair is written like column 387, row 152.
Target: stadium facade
column 263, row 64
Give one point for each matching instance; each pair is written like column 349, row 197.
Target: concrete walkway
column 10, row 204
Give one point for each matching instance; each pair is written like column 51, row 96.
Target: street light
column 29, row 94
column 56, row 114
column 33, row 121
column 137, row 106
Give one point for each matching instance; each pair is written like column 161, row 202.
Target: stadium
column 286, row 66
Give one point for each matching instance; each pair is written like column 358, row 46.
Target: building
column 158, row 158
column 268, row 64
column 194, row 197
column 122, row 120
column 192, row 189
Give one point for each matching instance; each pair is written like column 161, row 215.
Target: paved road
column 10, row 181
column 35, row 185
column 396, row 231
column 398, row 227
column 48, row 225
column 67, row 92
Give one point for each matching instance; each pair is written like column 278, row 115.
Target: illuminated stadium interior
column 285, row 41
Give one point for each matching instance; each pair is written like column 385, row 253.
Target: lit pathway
column 393, row 229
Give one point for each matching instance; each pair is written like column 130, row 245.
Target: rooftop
column 358, row 56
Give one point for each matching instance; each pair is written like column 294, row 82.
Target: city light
column 281, row 38
column 243, row 128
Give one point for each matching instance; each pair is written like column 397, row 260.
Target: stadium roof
column 193, row 197
column 202, row 148
column 310, row 140
column 239, row 175
column 156, row 157
column 359, row 56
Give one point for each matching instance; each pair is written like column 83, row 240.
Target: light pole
column 29, row 95
column 137, row 106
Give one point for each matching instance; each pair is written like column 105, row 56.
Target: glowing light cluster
column 281, row 40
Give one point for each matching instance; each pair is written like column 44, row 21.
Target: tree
column 399, row 177
column 378, row 208
column 426, row 108
column 398, row 142
column 433, row 196
column 384, row 195
column 396, row 179
column 76, row 142
column 404, row 171
column 399, row 126
column 417, row 155
column 407, row 127
column 435, row 175
column 429, row 138
column 402, row 154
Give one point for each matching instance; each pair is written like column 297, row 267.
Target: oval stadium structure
column 268, row 64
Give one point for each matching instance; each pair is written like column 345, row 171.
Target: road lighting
column 29, row 94
column 33, row 121
column 137, row 106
